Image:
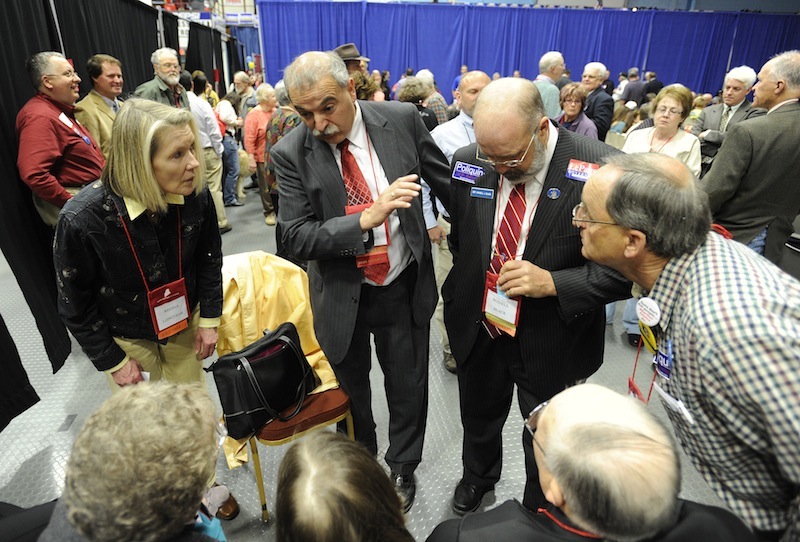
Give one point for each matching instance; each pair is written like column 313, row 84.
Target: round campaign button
column 648, row 311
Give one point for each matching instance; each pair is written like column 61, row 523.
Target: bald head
column 614, row 465
column 510, row 99
column 469, row 87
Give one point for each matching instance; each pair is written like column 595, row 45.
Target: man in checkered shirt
column 727, row 329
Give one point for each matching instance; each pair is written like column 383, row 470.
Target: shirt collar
column 466, row 119
column 793, row 100
column 135, row 208
column 109, row 103
column 68, row 109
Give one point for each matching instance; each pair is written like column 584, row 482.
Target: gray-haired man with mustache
column 348, row 184
column 165, row 87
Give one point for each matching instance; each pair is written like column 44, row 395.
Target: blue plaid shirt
column 734, row 322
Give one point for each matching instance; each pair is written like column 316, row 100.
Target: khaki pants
column 175, row 361
column 213, row 165
column 47, row 210
column 444, row 263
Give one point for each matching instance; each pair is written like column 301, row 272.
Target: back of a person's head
column 616, row 464
column 141, row 463
column 333, row 490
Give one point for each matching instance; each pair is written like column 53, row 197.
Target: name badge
column 169, row 308
column 500, row 310
column 664, row 359
column 467, row 173
column 483, row 193
column 580, row 171
column 673, row 404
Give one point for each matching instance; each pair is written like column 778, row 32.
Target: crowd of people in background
column 643, row 167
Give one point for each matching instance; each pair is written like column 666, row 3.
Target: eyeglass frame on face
column 505, row 163
column 532, row 423
column 663, row 110
column 68, row 74
column 579, row 208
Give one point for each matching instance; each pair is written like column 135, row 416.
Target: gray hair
column 149, row 450
column 281, row 94
column 37, row 65
column 155, row 58
column 745, row 74
column 595, row 68
column 426, row 75
column 310, row 68
column 786, row 67
column 620, row 482
column 413, row 90
column 651, row 197
column 263, row 92
column 550, row 59
column 242, row 77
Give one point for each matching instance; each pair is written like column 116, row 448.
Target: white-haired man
column 551, row 66
column 599, row 105
column 165, row 87
column 725, row 326
column 752, row 187
column 714, row 121
column 610, row 470
column 435, row 101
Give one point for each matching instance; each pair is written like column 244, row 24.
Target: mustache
column 331, row 129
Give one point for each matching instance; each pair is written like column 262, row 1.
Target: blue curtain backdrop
column 688, row 47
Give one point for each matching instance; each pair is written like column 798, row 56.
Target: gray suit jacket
column 315, row 227
column 754, row 181
column 561, row 337
column 709, row 119
column 93, row 112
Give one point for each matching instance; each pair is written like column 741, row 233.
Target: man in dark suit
column 552, row 298
column 710, row 128
column 653, row 85
column 634, row 90
column 599, row 105
column 369, row 260
column 752, row 186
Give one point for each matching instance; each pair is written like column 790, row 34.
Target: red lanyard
column 632, row 387
column 135, row 257
column 566, row 527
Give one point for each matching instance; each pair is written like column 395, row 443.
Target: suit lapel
column 740, row 113
column 548, row 209
column 485, row 210
column 101, row 105
column 384, row 138
column 323, row 167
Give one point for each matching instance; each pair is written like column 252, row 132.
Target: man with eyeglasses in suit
column 56, row 155
column 554, row 332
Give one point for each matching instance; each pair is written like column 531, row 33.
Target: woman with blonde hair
column 331, row 489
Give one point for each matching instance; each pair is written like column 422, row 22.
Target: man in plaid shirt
column 727, row 327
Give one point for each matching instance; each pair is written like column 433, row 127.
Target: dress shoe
column 633, row 339
column 406, row 487
column 225, row 229
column 229, row 509
column 449, row 362
column 467, row 497
column 234, row 203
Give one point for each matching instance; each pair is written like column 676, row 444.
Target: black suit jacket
column 561, row 337
column 315, row 227
column 600, row 108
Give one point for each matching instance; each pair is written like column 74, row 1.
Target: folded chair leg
column 260, row 479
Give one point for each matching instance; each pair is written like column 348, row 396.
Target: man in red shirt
column 56, row 154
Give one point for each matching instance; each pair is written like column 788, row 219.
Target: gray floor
column 34, row 447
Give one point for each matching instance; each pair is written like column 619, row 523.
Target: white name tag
column 170, row 313
column 502, row 307
column 674, row 404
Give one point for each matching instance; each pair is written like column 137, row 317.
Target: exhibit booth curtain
column 692, row 48
column 201, row 42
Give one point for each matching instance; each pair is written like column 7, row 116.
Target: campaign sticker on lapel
column 467, row 173
column 553, row 193
column 580, row 171
column 483, row 193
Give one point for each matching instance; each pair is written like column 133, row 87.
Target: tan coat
column 95, row 114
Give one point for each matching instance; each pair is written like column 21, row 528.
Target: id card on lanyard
column 168, row 304
column 380, row 251
column 500, row 310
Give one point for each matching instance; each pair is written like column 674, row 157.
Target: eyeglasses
column 506, row 163
column 579, row 212
column 573, row 102
column 668, row 112
column 68, row 74
column 532, row 423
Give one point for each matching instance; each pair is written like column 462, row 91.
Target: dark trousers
column 486, row 381
column 402, row 350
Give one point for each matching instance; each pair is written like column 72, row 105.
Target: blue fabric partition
column 694, row 48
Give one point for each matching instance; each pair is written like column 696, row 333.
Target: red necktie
column 507, row 239
column 358, row 194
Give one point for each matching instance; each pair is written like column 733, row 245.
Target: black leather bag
column 258, row 383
